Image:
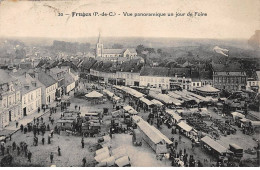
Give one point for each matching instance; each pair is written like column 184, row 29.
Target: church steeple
column 98, row 38
column 99, row 47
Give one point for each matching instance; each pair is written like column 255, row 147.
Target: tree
column 159, row 51
column 139, row 49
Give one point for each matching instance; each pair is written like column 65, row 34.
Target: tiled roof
column 224, row 68
column 130, row 65
column 154, row 71
column 88, row 63
column 5, row 77
column 68, row 79
column 180, row 72
column 45, row 79
column 113, row 51
column 27, row 81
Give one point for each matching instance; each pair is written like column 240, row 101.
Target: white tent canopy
column 94, row 94
column 185, row 126
column 156, row 102
column 146, row 101
column 208, row 88
column 110, row 94
column 102, row 156
column 237, row 114
column 105, row 149
column 123, row 161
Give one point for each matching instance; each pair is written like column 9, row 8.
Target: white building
column 155, row 77
column 254, row 82
column 48, row 85
column 31, row 94
column 10, row 99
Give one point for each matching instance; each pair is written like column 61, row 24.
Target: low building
column 180, row 78
column 155, row 77
column 253, row 83
column 10, row 99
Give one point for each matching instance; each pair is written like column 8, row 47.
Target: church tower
column 99, row 47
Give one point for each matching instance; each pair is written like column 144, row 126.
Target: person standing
column 59, row 153
column 43, row 140
column 29, row 156
column 84, row 161
column 49, row 139
column 82, row 142
column 51, row 157
column 16, row 124
column 18, row 150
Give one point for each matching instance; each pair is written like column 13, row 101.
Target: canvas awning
column 110, row 94
column 174, row 115
column 133, row 112
column 123, row 161
column 116, row 98
column 127, row 108
column 237, row 114
column 110, row 161
column 214, row 145
column 152, row 133
column 146, row 101
column 119, row 152
column 185, row 126
column 156, row 102
column 105, row 149
column 94, row 94
column 208, row 88
column 102, row 156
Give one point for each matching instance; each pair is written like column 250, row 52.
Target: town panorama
column 140, row 102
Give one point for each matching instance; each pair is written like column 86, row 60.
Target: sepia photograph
column 120, row 83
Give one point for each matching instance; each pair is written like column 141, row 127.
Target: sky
column 236, row 19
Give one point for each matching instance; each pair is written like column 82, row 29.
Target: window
column 198, row 84
column 193, row 84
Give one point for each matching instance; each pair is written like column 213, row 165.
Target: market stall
column 154, row 138
column 94, row 96
column 208, row 90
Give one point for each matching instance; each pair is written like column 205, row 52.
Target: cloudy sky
column 225, row 18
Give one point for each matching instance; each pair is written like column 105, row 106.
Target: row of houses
column 25, row 91
column 135, row 74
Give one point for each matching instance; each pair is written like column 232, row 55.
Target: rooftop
column 154, row 71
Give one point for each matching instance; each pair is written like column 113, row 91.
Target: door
column 10, row 116
column 24, row 112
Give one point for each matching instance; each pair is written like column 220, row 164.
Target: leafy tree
column 139, row 49
column 159, row 51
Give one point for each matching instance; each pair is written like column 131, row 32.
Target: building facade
column 253, row 83
column 30, row 94
column 48, row 85
column 10, row 99
column 229, row 80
